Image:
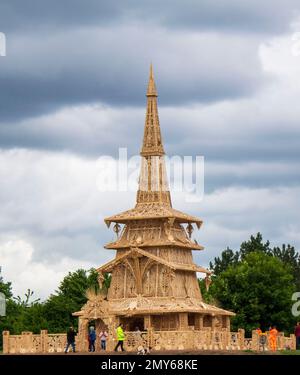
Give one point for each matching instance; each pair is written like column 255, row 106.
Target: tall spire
column 152, row 143
column 153, row 183
column 151, row 85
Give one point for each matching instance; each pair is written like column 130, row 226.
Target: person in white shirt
column 103, row 335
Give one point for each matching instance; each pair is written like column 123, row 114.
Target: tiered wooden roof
column 153, row 211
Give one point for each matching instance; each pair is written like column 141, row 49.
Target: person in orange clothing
column 273, row 333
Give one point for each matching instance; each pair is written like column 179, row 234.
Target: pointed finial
column 151, row 91
column 151, row 71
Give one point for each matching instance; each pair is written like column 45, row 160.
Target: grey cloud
column 33, row 15
column 231, row 215
column 255, row 16
column 238, row 130
column 43, row 73
column 50, row 201
column 264, row 174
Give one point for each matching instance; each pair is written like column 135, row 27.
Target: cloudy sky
column 72, row 89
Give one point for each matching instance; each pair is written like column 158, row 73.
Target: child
column 103, row 335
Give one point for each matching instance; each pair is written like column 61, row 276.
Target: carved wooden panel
column 207, row 321
column 166, row 322
column 116, row 289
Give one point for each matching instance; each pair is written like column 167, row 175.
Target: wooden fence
column 205, row 339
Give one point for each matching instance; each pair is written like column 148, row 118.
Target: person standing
column 92, row 339
column 70, row 339
column 263, row 340
column 120, row 338
column 138, row 337
column 103, row 335
column 297, row 334
column 273, row 333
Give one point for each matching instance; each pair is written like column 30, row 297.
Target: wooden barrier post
column 44, row 341
column 293, row 340
column 26, row 345
column 241, row 338
column 255, row 340
column 5, row 336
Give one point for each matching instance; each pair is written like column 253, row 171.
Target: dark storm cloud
column 73, row 52
column 45, row 72
column 23, row 97
column 16, row 15
column 256, row 16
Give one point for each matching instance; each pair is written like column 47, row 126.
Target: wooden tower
column 154, row 279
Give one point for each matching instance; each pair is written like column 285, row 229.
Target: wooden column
column 183, row 321
column 228, row 322
column 198, row 322
column 81, row 337
column 112, row 324
column 116, row 320
column 213, row 322
column 147, row 322
column 138, row 276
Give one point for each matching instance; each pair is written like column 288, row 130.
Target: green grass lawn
column 290, row 352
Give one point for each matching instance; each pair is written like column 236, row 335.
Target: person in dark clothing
column 70, row 339
column 297, row 334
column 92, row 339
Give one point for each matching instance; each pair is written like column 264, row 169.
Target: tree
column 70, row 297
column 255, row 244
column 55, row 315
column 34, row 318
column 5, row 287
column 228, row 258
column 75, row 284
column 288, row 255
column 25, row 302
column 258, row 289
column 106, row 282
column 206, row 294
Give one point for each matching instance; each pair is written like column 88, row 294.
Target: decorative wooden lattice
column 205, row 339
